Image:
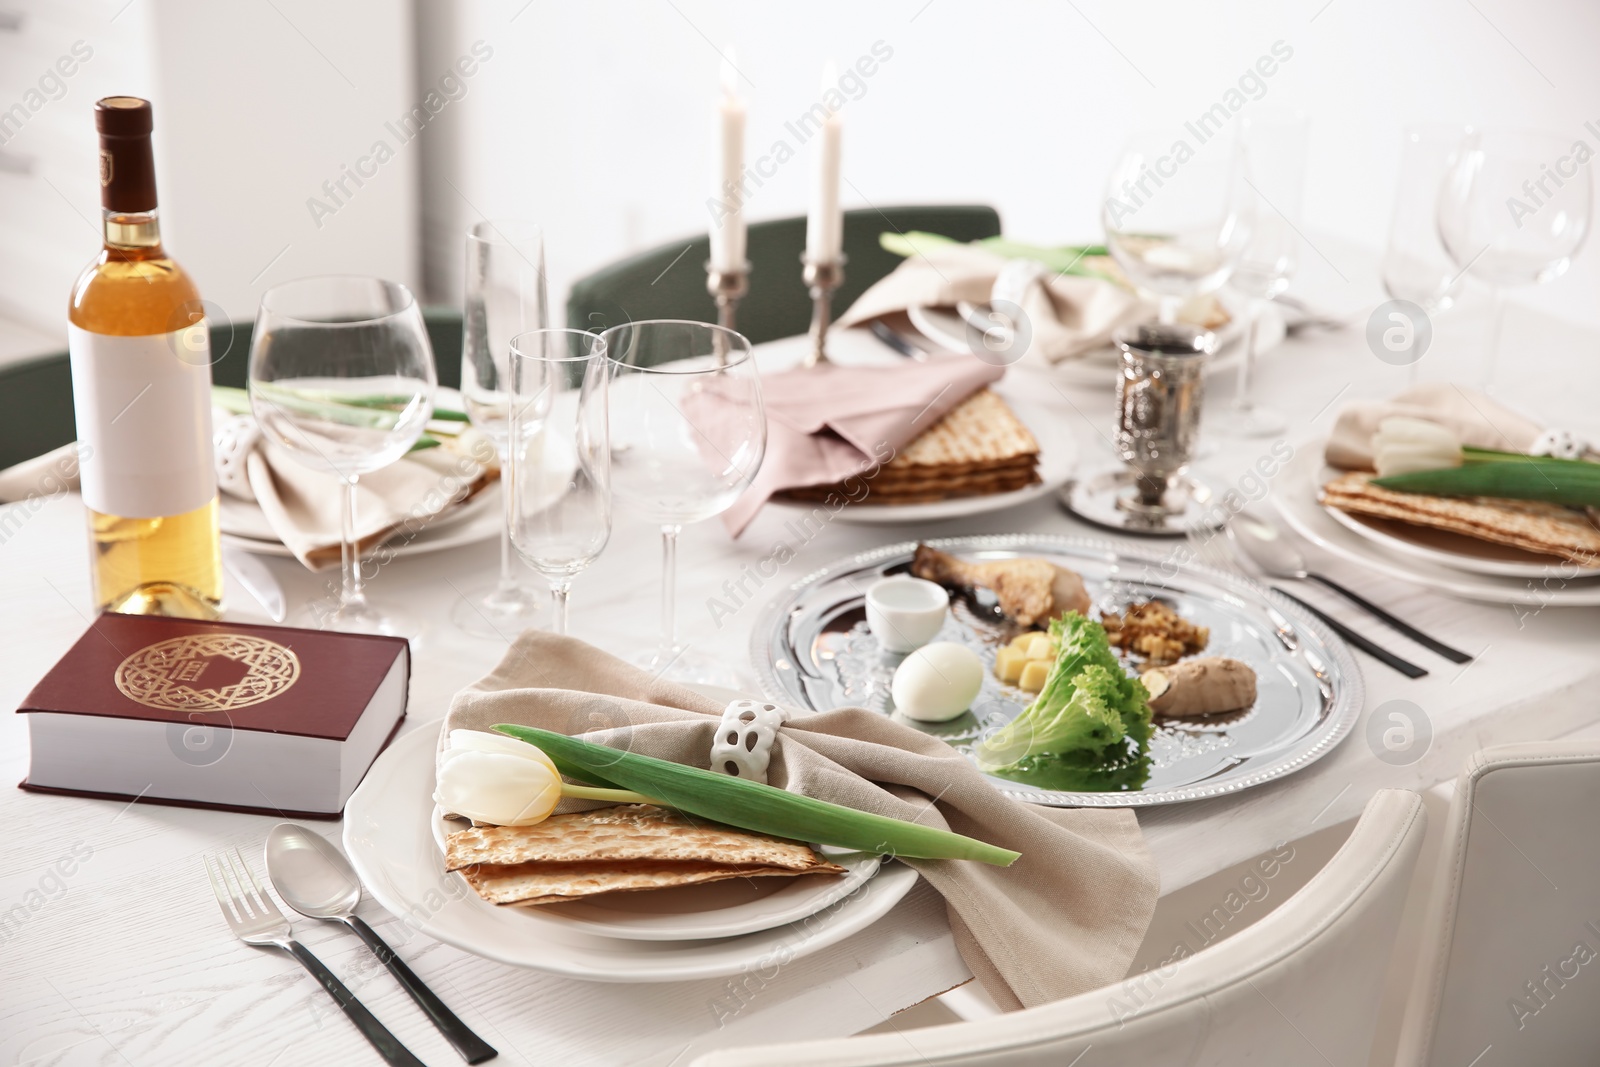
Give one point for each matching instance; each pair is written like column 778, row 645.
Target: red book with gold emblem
column 228, row 715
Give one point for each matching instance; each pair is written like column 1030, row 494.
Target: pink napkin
column 827, row 423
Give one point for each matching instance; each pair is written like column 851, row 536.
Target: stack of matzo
column 610, row 850
column 1528, row 524
column 979, row 447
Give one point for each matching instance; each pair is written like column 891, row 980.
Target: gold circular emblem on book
column 207, row 672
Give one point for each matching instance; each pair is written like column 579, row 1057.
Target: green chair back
column 669, row 282
column 36, row 395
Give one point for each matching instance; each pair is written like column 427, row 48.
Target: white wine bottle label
column 144, row 411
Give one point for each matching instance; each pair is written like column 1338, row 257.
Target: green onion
column 753, row 806
column 1570, row 482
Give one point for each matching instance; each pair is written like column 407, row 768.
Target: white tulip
column 1404, row 445
column 492, row 778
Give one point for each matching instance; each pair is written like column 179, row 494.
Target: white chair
column 1301, row 986
column 1510, row 964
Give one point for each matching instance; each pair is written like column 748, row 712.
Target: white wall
column 595, row 118
column 256, row 105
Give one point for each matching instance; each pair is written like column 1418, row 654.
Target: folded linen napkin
column 302, row 505
column 829, row 423
column 1475, row 419
column 1066, row 917
column 1068, row 314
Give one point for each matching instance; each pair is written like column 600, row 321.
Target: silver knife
column 256, row 579
column 895, row 341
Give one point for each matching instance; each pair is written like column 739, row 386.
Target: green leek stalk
column 1570, row 482
column 753, row 806
column 1068, row 259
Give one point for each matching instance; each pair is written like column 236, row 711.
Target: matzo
column 1528, row 524
column 624, row 833
column 550, row 883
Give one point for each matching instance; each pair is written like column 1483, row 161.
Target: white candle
column 825, row 223
column 727, row 176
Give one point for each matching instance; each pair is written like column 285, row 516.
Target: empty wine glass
column 688, row 433
column 341, row 377
column 1416, row 266
column 1177, row 215
column 558, row 474
column 1514, row 209
column 505, row 295
column 1275, row 155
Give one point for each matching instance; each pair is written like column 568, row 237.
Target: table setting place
column 1045, row 581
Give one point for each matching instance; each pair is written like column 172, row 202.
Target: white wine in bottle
column 141, row 384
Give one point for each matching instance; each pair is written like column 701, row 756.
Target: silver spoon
column 1265, row 544
column 314, row 878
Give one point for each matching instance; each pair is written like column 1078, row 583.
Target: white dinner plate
column 1058, row 458
column 389, row 837
column 1095, row 369
column 1560, row 583
column 479, row 519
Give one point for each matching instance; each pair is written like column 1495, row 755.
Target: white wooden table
column 112, row 950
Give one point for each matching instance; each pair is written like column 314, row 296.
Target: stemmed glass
column 505, row 295
column 1177, row 221
column 341, row 377
column 1514, row 209
column 688, row 433
column 1275, row 154
column 1416, row 267
column 558, row 472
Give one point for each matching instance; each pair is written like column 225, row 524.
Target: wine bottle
column 141, row 383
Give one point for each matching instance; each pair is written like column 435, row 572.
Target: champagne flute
column 505, row 296
column 688, row 433
column 558, row 473
column 1514, row 209
column 341, row 377
column 1275, row 154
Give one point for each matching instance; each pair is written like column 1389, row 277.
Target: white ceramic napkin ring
column 743, row 745
column 234, row 439
column 1562, row 444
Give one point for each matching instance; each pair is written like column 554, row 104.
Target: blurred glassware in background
column 1514, row 209
column 1416, row 265
column 1176, row 215
column 558, row 457
column 342, row 378
column 1275, row 172
column 688, row 433
column 505, row 295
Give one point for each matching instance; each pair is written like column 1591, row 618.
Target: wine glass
column 1416, row 267
column 342, row 379
column 505, row 296
column 1514, row 209
column 558, row 473
column 1176, row 216
column 1275, row 157
column 688, row 433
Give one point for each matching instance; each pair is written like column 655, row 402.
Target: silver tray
column 812, row 650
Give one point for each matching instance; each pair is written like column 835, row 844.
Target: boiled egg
column 937, row 682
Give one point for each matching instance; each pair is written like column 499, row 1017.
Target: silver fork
column 256, row 920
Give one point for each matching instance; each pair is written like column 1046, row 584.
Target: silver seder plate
column 812, row 650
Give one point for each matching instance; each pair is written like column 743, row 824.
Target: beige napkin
column 1066, row 917
column 303, row 505
column 1068, row 315
column 42, row 476
column 1474, row 418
